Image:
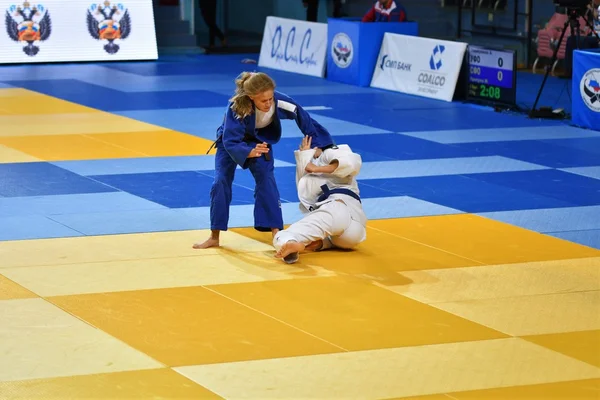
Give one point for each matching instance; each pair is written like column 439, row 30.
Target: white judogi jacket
column 344, row 177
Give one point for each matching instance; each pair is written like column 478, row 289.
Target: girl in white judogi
column 329, row 198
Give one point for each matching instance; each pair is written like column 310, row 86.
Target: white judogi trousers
column 339, row 222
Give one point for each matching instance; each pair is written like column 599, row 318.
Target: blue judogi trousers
column 267, row 203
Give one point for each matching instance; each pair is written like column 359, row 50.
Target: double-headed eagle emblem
column 103, row 25
column 342, row 52
column 28, row 24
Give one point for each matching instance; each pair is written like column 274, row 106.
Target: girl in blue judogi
column 252, row 125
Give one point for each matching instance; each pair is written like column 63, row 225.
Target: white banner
column 68, row 30
column 420, row 66
column 294, row 46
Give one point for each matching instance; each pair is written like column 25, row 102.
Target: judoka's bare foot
column 213, row 241
column 289, row 251
column 274, row 231
column 207, row 244
column 314, row 246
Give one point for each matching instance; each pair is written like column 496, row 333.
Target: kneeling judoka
column 329, row 198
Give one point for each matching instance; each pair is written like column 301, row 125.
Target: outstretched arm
column 308, row 126
column 303, row 157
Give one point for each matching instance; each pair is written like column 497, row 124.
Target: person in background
column 312, row 9
column 208, row 8
column 385, row 11
column 587, row 38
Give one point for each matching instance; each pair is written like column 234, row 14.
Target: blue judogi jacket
column 240, row 136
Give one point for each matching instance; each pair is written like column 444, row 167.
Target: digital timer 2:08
column 491, row 92
column 491, row 75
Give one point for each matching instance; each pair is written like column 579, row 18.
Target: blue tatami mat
column 40, row 179
column 23, row 227
column 589, row 238
column 559, row 131
column 73, row 204
column 420, row 156
column 552, row 219
column 121, row 166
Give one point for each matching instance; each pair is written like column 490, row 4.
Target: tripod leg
column 535, row 64
column 578, row 37
column 573, row 43
column 591, row 26
column 554, row 67
column 554, row 58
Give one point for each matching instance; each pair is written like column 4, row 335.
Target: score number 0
column 477, row 71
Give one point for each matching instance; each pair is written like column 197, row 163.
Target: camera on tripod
column 575, row 10
column 579, row 7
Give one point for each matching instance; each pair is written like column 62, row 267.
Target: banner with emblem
column 353, row 47
column 586, row 89
column 67, row 30
column 419, row 66
column 294, row 46
column 343, row 61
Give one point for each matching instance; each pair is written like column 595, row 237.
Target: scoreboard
column 492, row 75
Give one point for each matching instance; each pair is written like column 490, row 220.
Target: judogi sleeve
column 307, row 125
column 303, row 157
column 233, row 139
column 349, row 163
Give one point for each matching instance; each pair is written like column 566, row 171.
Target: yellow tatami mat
column 146, row 315
column 58, row 130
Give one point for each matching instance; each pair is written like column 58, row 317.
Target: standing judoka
column 252, row 124
column 329, row 196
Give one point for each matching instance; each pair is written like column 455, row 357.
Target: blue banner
column 343, row 62
column 586, row 89
column 353, row 47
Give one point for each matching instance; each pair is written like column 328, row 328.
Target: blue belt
column 328, row 192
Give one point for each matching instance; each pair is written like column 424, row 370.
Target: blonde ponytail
column 249, row 84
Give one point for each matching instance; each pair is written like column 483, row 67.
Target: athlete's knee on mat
column 354, row 235
column 343, row 243
column 281, row 238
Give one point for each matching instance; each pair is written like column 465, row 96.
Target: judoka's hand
column 306, row 142
column 259, row 150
